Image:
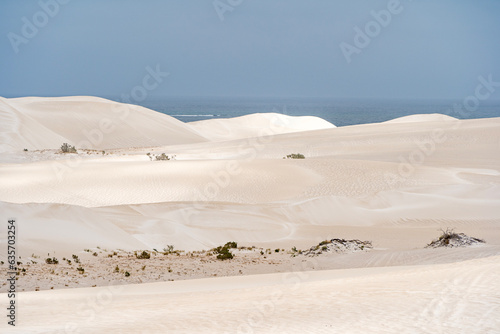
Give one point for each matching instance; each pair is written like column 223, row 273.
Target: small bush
column 231, row 244
column 223, row 252
column 66, row 148
column 295, row 156
column 80, row 270
column 75, row 257
column 25, row 150
column 117, row 269
column 95, row 254
column 127, row 274
column 162, row 156
column 143, row 255
column 168, row 250
column 51, row 261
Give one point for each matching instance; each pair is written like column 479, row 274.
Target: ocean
column 341, row 112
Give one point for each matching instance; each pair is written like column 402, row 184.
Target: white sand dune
column 394, row 183
column 422, row 118
column 39, row 123
column 461, row 298
column 256, row 125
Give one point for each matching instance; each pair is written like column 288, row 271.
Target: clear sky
column 265, row 48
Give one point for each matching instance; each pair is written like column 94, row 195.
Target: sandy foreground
column 394, row 184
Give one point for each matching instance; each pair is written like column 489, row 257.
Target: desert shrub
column 449, row 238
column 127, row 274
column 162, row 156
column 25, row 150
column 295, row 156
column 223, row 252
column 95, row 254
column 231, row 244
column 66, row 148
column 51, row 261
column 143, row 255
column 117, row 269
column 80, row 270
column 277, row 250
column 168, row 250
column 75, row 257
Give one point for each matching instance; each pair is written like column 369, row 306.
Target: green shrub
column 144, row 255
column 223, row 252
column 127, row 274
column 295, row 156
column 231, row 244
column 65, row 148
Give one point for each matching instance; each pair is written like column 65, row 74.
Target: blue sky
column 265, row 48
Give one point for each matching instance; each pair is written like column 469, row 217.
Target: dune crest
column 257, row 125
column 422, row 118
column 38, row 123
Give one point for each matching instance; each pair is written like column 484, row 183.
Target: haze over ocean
column 340, row 112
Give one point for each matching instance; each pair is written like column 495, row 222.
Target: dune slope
column 39, row 123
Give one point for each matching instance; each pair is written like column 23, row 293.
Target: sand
column 394, row 183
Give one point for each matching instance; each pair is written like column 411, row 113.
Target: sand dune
column 394, row 183
column 39, row 123
column 256, row 125
column 422, row 118
column 461, row 297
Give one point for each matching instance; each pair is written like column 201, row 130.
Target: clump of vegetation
column 80, row 270
column 337, row 246
column 295, row 156
column 117, row 269
column 75, row 257
column 51, row 260
column 95, row 254
column 168, row 250
column 162, row 156
column 127, row 274
column 223, row 252
column 449, row 238
column 66, row 148
column 25, row 150
column 143, row 255
column 231, row 244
